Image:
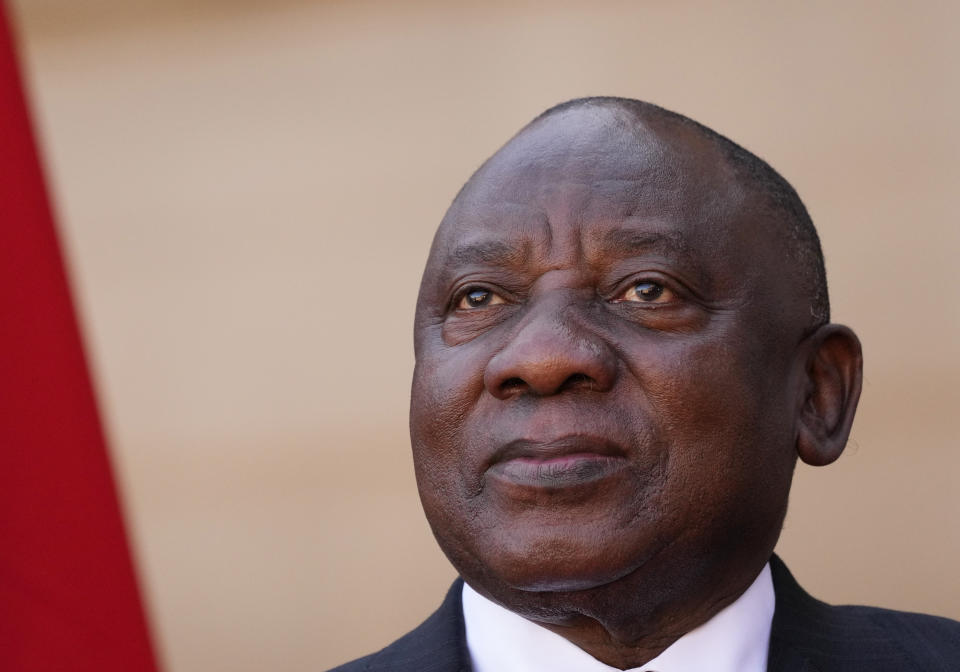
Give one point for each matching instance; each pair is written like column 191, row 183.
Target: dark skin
column 616, row 372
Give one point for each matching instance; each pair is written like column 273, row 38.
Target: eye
column 646, row 291
column 478, row 297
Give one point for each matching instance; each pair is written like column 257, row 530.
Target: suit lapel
column 784, row 658
column 795, row 614
column 438, row 645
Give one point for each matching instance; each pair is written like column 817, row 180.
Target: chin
column 558, row 566
column 570, row 583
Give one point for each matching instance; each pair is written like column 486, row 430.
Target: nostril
column 545, row 359
column 576, row 380
column 511, row 385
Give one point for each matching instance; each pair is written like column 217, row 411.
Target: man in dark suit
column 623, row 345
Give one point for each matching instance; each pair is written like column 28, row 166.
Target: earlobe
column 834, row 377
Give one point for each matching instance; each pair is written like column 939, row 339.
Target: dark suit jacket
column 807, row 636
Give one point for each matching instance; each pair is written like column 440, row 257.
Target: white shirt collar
column 736, row 639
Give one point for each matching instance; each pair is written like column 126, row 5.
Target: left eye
column 478, row 297
column 646, row 291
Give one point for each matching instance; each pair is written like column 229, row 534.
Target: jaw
column 630, row 620
column 622, row 613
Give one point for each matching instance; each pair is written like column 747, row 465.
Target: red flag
column 68, row 593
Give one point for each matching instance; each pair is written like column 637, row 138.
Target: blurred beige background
column 247, row 191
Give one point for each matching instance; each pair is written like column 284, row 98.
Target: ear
column 833, row 378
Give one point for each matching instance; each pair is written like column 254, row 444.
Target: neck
column 627, row 632
column 624, row 645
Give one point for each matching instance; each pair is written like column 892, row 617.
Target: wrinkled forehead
column 584, row 172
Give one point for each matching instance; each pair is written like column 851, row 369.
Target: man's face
column 605, row 337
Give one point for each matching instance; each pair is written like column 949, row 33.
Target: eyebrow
column 500, row 253
column 636, row 241
column 488, row 252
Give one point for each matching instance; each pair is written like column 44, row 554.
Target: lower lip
column 557, row 472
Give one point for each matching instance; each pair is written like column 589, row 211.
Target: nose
column 552, row 353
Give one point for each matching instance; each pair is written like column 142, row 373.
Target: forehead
column 598, row 176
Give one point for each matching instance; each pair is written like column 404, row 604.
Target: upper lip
column 557, row 447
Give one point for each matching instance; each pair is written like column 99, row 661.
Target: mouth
column 564, row 462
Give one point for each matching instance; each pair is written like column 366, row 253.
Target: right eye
column 478, row 297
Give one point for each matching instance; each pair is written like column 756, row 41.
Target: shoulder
column 436, row 645
column 855, row 638
column 929, row 642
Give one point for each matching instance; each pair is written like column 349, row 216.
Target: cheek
column 728, row 429
column 712, row 385
column 447, row 383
